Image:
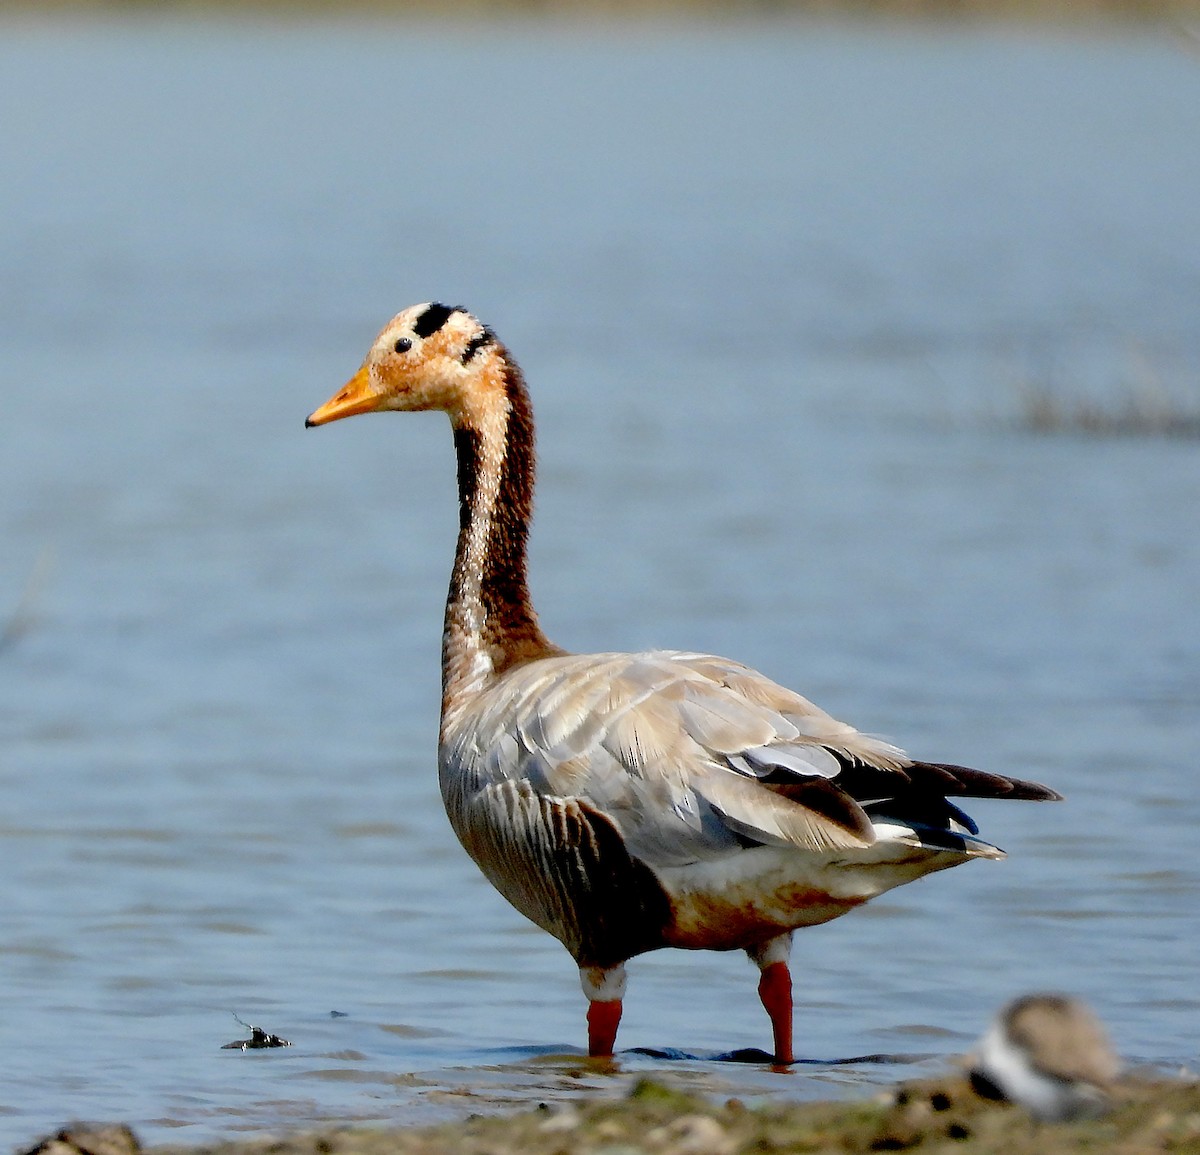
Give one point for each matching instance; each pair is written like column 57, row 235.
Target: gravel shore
column 938, row 1115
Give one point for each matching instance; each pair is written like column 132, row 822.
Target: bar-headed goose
column 626, row 802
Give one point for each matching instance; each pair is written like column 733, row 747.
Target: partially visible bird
column 625, row 802
column 1049, row 1053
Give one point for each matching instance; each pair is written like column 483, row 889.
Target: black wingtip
column 1046, row 794
column 1025, row 791
column 961, row 781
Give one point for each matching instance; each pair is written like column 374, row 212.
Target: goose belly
column 566, row 866
column 563, row 865
column 736, row 901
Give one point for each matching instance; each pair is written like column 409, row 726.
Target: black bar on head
column 430, row 321
column 484, row 337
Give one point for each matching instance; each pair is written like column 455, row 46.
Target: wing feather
column 692, row 756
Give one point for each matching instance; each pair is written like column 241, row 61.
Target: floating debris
column 1141, row 404
column 259, row 1039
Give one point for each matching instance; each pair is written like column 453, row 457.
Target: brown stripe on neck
column 510, row 630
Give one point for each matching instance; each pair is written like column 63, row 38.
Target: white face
column 430, row 356
column 419, row 360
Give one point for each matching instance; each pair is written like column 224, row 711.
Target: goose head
column 430, row 356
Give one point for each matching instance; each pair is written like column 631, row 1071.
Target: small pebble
column 564, row 1119
column 692, row 1135
column 89, row 1139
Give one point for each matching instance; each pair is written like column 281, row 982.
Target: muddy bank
column 939, row 1115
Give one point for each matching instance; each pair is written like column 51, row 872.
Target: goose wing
column 692, row 756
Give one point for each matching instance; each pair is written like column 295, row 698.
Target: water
column 774, row 287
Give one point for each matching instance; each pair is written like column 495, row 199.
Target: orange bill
column 356, row 396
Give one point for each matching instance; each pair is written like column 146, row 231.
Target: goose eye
column 403, row 345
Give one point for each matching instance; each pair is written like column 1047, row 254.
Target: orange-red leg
column 605, row 988
column 603, row 1018
column 775, row 990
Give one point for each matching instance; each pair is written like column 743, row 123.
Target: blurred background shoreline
column 1036, row 12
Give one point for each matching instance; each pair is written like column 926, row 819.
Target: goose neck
column 490, row 621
